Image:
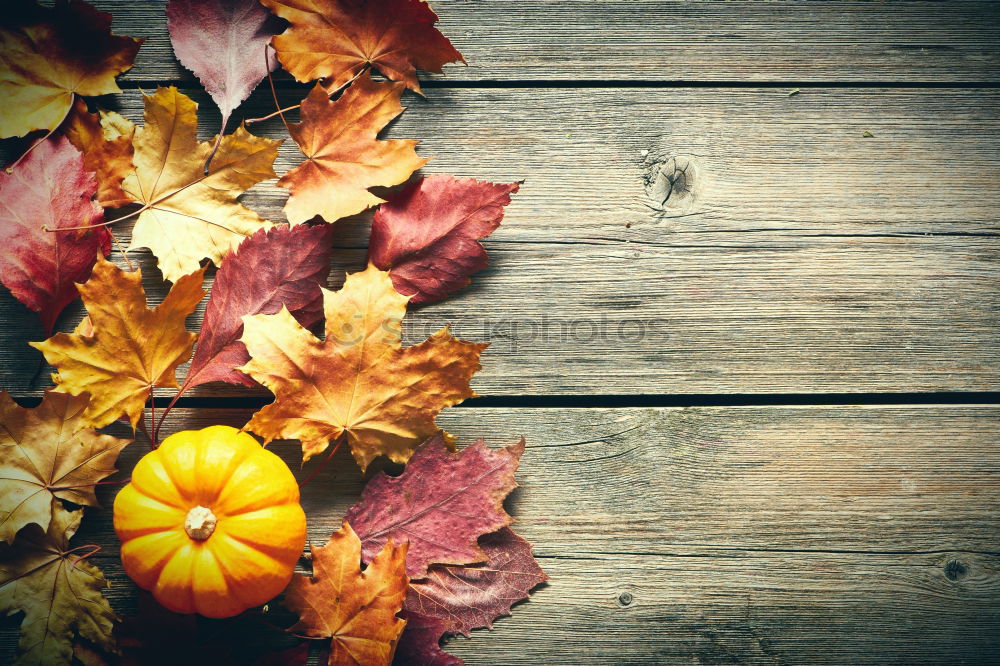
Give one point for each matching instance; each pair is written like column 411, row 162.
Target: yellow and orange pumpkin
column 210, row 523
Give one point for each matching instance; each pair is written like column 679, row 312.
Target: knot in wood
column 673, row 183
column 955, row 570
column 625, row 598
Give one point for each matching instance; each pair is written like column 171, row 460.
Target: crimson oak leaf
column 269, row 269
column 471, row 597
column 49, row 190
column 427, row 236
column 441, row 504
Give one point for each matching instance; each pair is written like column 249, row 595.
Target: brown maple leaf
column 58, row 592
column 345, row 156
column 50, row 54
column 131, row 349
column 45, row 453
column 336, row 39
column 191, row 215
column 105, row 140
column 356, row 609
column 359, row 381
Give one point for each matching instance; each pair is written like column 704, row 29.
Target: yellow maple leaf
column 131, row 349
column 344, row 155
column 50, row 54
column 191, row 215
column 358, row 381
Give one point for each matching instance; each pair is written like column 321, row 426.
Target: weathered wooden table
column 754, row 351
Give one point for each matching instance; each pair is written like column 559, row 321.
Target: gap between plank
column 639, row 401
column 597, row 83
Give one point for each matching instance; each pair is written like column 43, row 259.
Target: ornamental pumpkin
column 210, row 523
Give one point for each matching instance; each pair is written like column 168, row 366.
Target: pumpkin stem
column 200, row 523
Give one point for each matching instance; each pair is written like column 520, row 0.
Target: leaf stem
column 218, row 140
column 91, row 485
column 72, row 98
column 141, row 210
column 274, row 92
column 329, row 457
column 121, row 249
column 145, row 431
column 94, row 549
column 251, row 121
column 352, row 79
column 152, row 413
column 180, row 392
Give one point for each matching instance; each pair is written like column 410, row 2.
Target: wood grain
column 697, row 241
column 676, row 41
column 720, row 535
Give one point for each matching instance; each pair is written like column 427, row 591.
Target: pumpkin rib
column 151, row 478
column 266, row 482
column 263, row 589
column 145, row 514
column 145, row 557
column 213, row 475
column 281, row 553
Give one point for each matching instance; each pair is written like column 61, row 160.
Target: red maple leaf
column 49, row 190
column 427, row 236
column 441, row 504
column 268, row 270
column 470, row 597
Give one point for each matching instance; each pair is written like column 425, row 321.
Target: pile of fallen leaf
column 422, row 555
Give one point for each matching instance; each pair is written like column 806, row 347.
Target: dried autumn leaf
column 441, row 504
column 191, row 215
column 45, row 453
column 49, row 189
column 336, row 39
column 427, row 236
column 59, row 594
column 48, row 54
column 106, row 143
column 223, row 43
column 345, row 156
column 357, row 609
column 132, row 348
column 470, row 597
column 268, row 270
column 420, row 644
column 359, row 381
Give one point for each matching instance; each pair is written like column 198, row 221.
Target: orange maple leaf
column 50, row 54
column 356, row 609
column 345, row 157
column 359, row 381
column 131, row 348
column 336, row 39
column 105, row 141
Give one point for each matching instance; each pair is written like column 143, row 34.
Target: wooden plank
column 792, row 255
column 664, row 40
column 721, row 535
